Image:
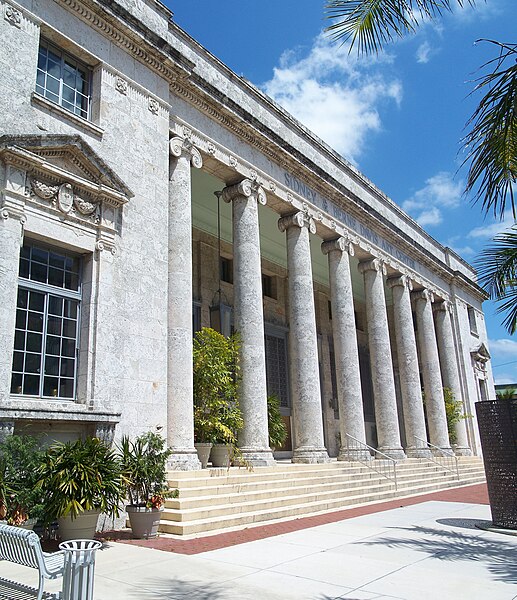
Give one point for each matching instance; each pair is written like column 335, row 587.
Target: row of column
column 308, row 442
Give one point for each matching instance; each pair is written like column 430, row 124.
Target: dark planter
column 144, row 521
column 497, row 421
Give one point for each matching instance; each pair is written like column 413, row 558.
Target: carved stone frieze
column 121, row 85
column 44, row 190
column 13, row 16
column 63, row 197
column 153, row 105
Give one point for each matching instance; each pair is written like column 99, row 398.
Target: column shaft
column 180, row 408
column 348, row 375
column 450, row 373
column 414, row 419
column 249, row 321
column 304, row 367
column 386, row 418
column 433, row 389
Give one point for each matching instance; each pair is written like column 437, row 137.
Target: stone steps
column 227, row 499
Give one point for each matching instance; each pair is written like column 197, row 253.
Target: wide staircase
column 218, row 499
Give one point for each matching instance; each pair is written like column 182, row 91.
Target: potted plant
column 20, row 497
column 79, row 480
column 276, row 426
column 144, row 463
column 217, row 416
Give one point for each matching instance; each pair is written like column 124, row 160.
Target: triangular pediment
column 65, row 156
column 480, row 353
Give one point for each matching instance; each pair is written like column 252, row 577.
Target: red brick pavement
column 473, row 494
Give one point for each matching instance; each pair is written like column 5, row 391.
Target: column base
column 310, row 456
column 446, row 449
column 257, row 457
column 462, row 451
column 183, row 460
column 395, row 453
column 354, row 454
column 414, row 452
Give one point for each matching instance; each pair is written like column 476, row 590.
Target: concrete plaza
column 422, row 550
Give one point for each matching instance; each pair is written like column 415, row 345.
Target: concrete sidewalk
column 428, row 550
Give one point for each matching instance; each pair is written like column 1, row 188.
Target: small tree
column 276, row 426
column 217, row 416
column 453, row 412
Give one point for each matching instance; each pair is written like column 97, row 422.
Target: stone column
column 348, row 375
column 414, row 419
column 180, row 407
column 12, row 220
column 304, row 367
column 388, row 433
column 249, row 320
column 450, row 372
column 433, row 389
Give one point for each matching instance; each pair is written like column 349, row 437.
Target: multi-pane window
column 64, row 80
column 47, row 324
column 276, row 367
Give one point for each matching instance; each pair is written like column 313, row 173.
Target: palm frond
column 371, row 24
column 497, row 267
column 491, row 143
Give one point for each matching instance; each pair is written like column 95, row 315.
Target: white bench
column 23, row 547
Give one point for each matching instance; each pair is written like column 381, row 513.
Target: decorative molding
column 64, row 198
column 247, row 189
column 121, row 85
column 153, row 105
column 298, row 219
column 182, row 146
column 13, row 16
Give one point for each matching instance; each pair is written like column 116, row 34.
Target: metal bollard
column 79, row 568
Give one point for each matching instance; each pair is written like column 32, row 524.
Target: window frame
column 66, row 60
column 48, row 291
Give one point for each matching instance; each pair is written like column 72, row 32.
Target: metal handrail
column 373, row 464
column 451, row 458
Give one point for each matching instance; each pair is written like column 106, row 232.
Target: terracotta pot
column 144, row 521
column 203, row 452
column 83, row 527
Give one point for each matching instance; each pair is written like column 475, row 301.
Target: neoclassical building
column 148, row 191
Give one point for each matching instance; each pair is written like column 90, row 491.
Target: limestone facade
column 116, row 130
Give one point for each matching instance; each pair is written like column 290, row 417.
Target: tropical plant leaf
column 371, row 24
column 497, row 267
column 491, row 143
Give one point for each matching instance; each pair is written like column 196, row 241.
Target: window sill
column 23, row 407
column 42, row 102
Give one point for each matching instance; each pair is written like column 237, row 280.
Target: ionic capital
column 373, row 264
column 425, row 295
column 442, row 306
column 298, row 219
column 400, row 280
column 245, row 189
column 179, row 146
column 341, row 244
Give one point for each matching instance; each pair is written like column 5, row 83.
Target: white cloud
column 505, row 379
column 423, row 53
column 464, row 251
column 335, row 94
column 489, row 231
column 427, row 204
column 503, row 347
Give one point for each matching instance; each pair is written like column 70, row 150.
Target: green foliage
column 79, row 476
column 497, row 268
column 507, row 394
column 453, row 412
column 20, row 457
column 217, row 416
column 371, row 24
column 144, row 463
column 276, row 426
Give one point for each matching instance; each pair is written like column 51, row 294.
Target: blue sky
column 398, row 117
